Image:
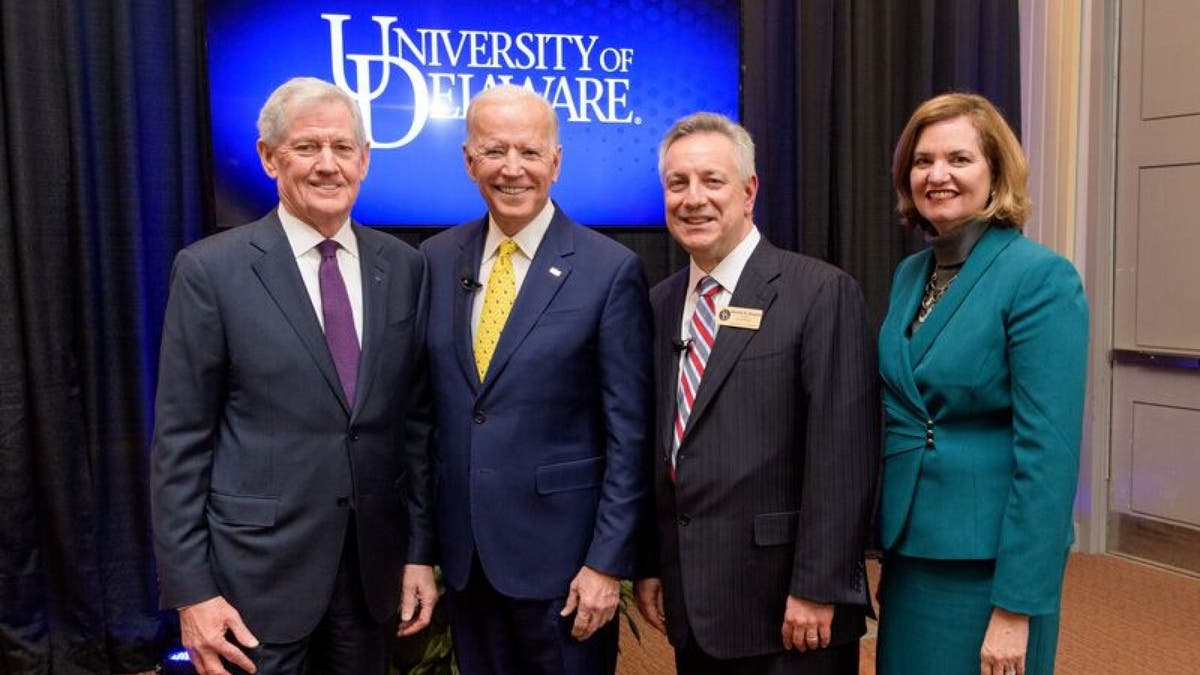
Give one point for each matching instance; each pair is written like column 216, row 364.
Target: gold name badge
column 740, row 317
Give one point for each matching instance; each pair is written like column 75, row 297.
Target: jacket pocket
column 239, row 510
column 773, row 529
column 553, row 316
column 574, row 475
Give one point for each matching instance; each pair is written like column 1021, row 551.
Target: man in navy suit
column 290, row 479
column 539, row 350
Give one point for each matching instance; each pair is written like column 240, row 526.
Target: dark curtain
column 102, row 160
column 827, row 87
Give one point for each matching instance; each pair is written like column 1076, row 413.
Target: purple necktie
column 339, row 320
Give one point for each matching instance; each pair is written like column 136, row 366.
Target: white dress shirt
column 304, row 239
column 527, row 240
column 727, row 272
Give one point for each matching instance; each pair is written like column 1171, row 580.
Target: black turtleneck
column 950, row 252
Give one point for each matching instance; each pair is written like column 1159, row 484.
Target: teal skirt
column 933, row 615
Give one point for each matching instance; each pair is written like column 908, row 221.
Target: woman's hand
column 1004, row 644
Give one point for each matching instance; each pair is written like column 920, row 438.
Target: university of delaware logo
column 584, row 79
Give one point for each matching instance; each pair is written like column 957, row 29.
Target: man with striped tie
column 767, row 432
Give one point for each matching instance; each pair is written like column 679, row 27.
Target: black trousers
column 347, row 641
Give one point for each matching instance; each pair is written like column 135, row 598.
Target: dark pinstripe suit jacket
column 775, row 475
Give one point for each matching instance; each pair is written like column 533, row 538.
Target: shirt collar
column 303, row 238
column 527, row 240
column 728, row 271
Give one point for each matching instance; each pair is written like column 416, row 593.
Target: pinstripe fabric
column 702, row 331
column 776, row 471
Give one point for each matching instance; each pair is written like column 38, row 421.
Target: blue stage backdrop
column 618, row 73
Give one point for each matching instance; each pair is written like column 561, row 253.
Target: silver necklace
column 934, row 289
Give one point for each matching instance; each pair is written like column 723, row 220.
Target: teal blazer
column 984, row 408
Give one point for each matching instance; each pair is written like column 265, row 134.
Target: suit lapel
column 374, row 290
column 277, row 271
column 894, row 344
column 994, row 241
column 467, row 268
column 670, row 320
column 537, row 290
column 754, row 290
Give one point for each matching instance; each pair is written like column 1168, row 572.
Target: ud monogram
column 584, row 79
column 364, row 94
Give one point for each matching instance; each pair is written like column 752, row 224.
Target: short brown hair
column 1009, row 204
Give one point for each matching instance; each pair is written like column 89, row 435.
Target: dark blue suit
column 541, row 468
column 259, row 461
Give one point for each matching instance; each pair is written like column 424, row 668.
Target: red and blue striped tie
column 702, row 331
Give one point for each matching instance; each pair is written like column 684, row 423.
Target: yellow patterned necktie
column 497, row 303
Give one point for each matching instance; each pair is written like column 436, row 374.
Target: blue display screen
column 618, row 73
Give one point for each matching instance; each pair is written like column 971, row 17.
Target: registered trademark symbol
column 637, row 120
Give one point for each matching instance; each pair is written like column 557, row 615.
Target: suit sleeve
column 841, row 446
column 187, row 409
column 623, row 353
column 418, row 439
column 1047, row 353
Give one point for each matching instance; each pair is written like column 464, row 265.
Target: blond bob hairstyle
column 1009, row 204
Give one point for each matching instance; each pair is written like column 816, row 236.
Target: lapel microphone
column 468, row 283
column 681, row 345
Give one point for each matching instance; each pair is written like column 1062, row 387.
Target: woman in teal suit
column 983, row 359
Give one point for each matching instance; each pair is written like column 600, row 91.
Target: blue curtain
column 102, row 178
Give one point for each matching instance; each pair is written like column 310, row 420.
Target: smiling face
column 512, row 156
column 950, row 178
column 709, row 206
column 319, row 164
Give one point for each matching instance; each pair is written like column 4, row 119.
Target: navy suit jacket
column 776, row 471
column 257, row 457
column 540, row 469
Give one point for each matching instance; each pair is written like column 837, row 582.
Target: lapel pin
column 555, row 271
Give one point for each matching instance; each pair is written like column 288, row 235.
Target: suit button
column 479, row 417
column 353, row 435
column 684, row 520
column 342, row 502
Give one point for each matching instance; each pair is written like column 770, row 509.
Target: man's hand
column 806, row 624
column 648, row 593
column 203, row 627
column 595, row 595
column 1004, row 644
column 418, row 592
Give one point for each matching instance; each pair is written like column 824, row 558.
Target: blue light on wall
column 618, row 72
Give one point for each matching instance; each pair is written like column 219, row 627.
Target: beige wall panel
column 1156, row 439
column 1168, row 259
column 1169, row 48
column 1165, row 462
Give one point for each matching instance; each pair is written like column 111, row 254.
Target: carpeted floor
column 1119, row 616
